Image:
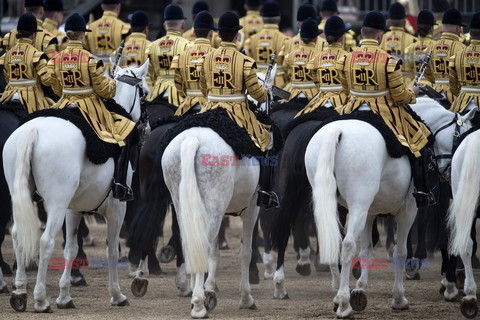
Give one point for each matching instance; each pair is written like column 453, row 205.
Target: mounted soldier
column 53, row 17
column 415, row 53
column 226, row 75
column 252, row 23
column 303, row 80
column 44, row 40
column 464, row 72
column 261, row 45
column 80, row 81
column 25, row 68
column 375, row 81
column 329, row 9
column 332, row 93
column 107, row 33
column 136, row 44
column 161, row 53
column 185, row 65
column 448, row 45
column 197, row 7
column 396, row 40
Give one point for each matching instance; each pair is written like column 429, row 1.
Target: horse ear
column 142, row 71
column 469, row 115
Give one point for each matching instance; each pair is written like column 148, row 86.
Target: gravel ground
column 310, row 297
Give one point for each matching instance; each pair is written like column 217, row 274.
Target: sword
column 118, row 56
column 269, row 82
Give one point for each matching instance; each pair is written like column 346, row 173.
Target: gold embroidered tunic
column 44, row 40
column 187, row 76
column 52, row 27
column 161, row 53
column 448, row 45
column 464, row 76
column 331, row 88
column 25, row 70
column 395, row 42
column 134, row 53
column 415, row 54
column 252, row 23
column 374, row 77
column 260, row 47
column 226, row 75
column 80, row 81
column 106, row 36
column 302, row 79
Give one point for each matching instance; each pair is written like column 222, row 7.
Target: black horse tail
column 148, row 222
column 296, row 194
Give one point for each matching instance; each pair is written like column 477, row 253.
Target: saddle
column 98, row 151
column 219, row 121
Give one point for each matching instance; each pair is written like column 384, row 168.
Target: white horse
column 463, row 211
column 48, row 155
column 202, row 195
column 348, row 161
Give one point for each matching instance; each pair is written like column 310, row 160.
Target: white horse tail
column 27, row 225
column 192, row 216
column 324, row 197
column 463, row 208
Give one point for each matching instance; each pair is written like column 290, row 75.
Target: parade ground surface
column 310, row 297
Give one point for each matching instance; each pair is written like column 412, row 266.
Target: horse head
column 132, row 88
column 446, row 127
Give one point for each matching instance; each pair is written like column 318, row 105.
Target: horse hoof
column 4, row 290
column 155, row 269
column 335, row 307
column 460, row 279
column 139, row 287
column 210, row 300
column 253, row 277
column 223, row 245
column 412, row 275
column 78, row 282
column 18, row 301
column 167, row 254
column 303, row 270
column 124, row 303
column 253, row 307
column 46, row 310
column 358, row 300
column 68, row 305
column 469, row 308
column 356, row 270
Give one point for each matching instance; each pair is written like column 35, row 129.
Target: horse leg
column 404, row 219
column 114, row 214
column 451, row 291
column 301, row 243
column 253, row 272
column 222, row 240
column 390, row 242
column 366, row 253
column 3, row 284
column 265, row 222
column 358, row 217
column 64, row 300
column 18, row 300
column 249, row 220
column 47, row 244
column 469, row 306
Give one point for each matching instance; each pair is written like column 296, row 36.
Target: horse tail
column 26, row 222
column 296, row 189
column 462, row 211
column 324, row 197
column 192, row 214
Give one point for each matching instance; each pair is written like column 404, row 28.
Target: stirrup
column 424, row 199
column 121, row 192
column 267, row 200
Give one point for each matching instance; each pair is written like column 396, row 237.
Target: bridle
column 445, row 174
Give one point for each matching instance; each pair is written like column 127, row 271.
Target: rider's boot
column 266, row 197
column 422, row 194
column 120, row 189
